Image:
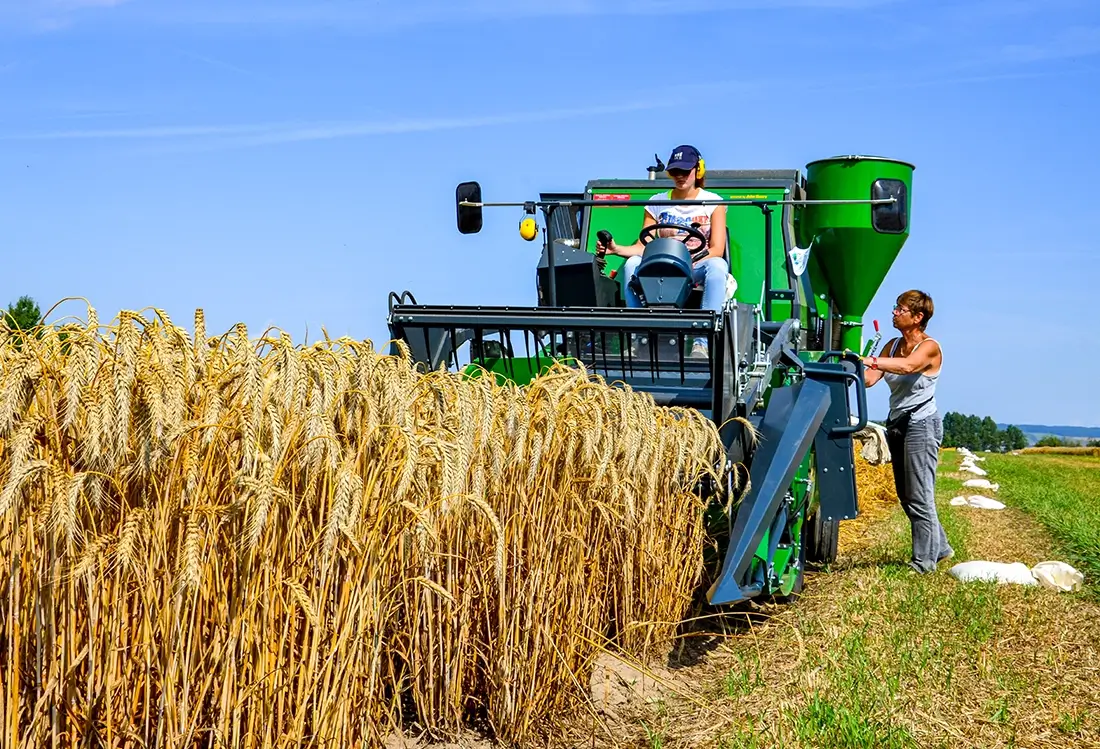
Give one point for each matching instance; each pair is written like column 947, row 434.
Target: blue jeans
column 712, row 272
column 914, row 458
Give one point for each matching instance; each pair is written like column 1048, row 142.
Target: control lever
column 604, row 236
column 873, row 343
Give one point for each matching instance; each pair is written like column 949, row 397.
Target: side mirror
column 469, row 217
column 890, row 218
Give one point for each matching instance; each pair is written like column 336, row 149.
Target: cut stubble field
column 873, row 655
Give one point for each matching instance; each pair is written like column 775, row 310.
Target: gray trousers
column 914, row 458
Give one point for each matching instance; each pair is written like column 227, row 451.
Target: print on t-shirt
column 684, row 215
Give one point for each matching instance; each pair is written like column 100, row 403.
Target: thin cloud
column 141, row 133
column 79, row 4
column 205, row 137
column 1079, row 41
column 51, row 15
column 389, row 14
column 222, row 64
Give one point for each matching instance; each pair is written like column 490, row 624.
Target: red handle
column 876, row 326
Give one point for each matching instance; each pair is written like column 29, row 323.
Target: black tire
column 821, row 538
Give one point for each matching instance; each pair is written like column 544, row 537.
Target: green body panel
column 519, row 370
column 746, row 225
column 746, row 238
column 850, row 253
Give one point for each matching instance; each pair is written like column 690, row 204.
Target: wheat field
column 235, row 541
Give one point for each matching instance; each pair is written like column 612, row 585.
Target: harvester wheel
column 796, row 590
column 821, row 538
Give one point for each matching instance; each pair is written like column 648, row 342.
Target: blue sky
column 288, row 162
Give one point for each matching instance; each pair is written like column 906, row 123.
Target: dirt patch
column 467, row 741
column 617, row 684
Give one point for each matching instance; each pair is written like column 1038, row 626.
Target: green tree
column 989, row 434
column 23, row 315
column 1014, row 438
column 1094, row 443
column 1050, row 440
column 951, row 421
column 972, row 432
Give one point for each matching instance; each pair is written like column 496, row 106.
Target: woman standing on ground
column 914, row 429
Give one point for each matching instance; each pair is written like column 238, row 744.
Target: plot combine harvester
column 808, row 253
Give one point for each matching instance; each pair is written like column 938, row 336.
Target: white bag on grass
column 1058, row 576
column 981, row 484
column 976, row 500
column 997, row 572
column 975, row 470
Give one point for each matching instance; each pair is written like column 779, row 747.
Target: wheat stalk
column 251, row 543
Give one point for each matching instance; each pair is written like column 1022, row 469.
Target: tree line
column 981, row 433
column 1052, row 440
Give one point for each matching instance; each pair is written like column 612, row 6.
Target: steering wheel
column 644, row 236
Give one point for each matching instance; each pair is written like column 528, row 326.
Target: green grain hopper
column 808, row 253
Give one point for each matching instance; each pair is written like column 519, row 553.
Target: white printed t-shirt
column 684, row 215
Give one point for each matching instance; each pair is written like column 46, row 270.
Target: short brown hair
column 918, row 303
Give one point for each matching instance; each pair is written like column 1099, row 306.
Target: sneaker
column 946, row 556
column 699, row 351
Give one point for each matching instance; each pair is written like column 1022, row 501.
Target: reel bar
column 605, row 203
column 644, row 348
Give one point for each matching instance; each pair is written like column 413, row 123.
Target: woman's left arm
column 923, row 358
column 716, row 247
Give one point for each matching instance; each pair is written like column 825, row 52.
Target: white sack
column 985, row 503
column 1058, row 576
column 873, row 438
column 998, row 572
column 978, row 501
column 981, row 484
column 975, row 470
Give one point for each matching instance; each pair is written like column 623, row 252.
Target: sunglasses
column 679, row 172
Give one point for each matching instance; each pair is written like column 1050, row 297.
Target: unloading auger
column 808, row 254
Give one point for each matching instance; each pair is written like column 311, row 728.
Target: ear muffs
column 700, row 169
column 528, row 228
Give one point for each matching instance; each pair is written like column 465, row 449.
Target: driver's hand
column 602, row 249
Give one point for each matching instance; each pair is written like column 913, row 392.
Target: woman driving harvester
column 687, row 172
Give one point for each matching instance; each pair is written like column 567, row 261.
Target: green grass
column 823, row 723
column 1063, row 494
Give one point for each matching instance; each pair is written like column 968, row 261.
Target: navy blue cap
column 683, row 157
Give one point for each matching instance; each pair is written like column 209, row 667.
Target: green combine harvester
column 808, row 253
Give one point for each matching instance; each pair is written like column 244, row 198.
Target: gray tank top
column 907, row 391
